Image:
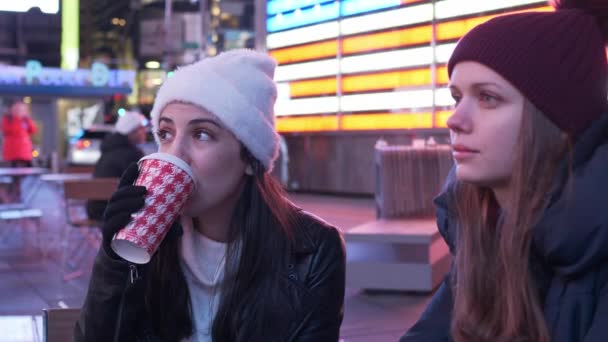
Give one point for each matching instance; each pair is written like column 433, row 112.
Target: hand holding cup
column 169, row 182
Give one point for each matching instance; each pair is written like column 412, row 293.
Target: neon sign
column 46, row 6
column 35, row 74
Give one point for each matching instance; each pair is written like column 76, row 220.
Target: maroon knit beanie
column 556, row 59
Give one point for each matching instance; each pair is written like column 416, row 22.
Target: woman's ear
column 249, row 170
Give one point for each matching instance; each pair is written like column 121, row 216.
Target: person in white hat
column 132, row 125
column 118, row 150
column 243, row 263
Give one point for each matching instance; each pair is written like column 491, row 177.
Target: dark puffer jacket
column 117, row 153
column 570, row 248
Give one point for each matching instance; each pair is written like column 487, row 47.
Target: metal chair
column 17, row 212
column 20, row 215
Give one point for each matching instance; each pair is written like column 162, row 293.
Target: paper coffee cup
column 169, row 181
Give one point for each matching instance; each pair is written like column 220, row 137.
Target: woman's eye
column 456, row 98
column 488, row 100
column 202, row 136
column 163, row 134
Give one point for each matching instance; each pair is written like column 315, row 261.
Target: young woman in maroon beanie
column 524, row 211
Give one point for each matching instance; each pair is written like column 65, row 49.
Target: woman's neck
column 212, row 226
column 215, row 222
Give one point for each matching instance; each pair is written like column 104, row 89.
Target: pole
column 167, row 24
column 205, row 28
column 259, row 15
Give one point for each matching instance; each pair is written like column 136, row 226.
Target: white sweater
column 202, row 261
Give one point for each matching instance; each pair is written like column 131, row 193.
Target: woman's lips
column 463, row 148
column 462, row 152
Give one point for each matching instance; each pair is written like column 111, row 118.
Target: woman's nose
column 460, row 121
column 180, row 149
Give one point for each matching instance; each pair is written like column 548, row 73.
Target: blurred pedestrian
column 524, row 211
column 17, row 129
column 243, row 263
column 118, row 150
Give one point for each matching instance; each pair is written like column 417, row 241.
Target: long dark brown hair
column 496, row 296
column 260, row 236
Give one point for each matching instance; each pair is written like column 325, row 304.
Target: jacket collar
column 303, row 242
column 572, row 235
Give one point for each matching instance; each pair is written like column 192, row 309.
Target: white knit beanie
column 129, row 121
column 236, row 86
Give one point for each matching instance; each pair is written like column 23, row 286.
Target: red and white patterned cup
column 170, row 182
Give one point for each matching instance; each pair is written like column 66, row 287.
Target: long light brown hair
column 495, row 295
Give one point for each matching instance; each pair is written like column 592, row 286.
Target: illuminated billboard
column 46, row 6
column 349, row 65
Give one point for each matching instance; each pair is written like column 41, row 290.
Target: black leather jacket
column 313, row 295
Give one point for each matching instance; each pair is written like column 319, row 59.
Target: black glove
column 127, row 200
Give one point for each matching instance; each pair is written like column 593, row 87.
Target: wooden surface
column 395, row 230
column 90, row 189
column 58, row 324
column 396, row 254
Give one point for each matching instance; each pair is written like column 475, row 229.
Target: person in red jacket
column 17, row 129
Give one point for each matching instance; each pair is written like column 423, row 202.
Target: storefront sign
column 35, row 74
column 97, row 80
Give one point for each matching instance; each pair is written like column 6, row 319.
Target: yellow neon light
column 382, row 80
column 307, row 124
column 376, row 81
column 359, row 122
column 325, row 86
column 387, row 121
column 441, row 118
column 390, row 80
column 306, row 52
column 458, row 28
column 385, row 40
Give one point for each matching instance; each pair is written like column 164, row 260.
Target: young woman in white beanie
column 243, row 263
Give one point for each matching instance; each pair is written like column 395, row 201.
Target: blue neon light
column 351, row 7
column 287, row 18
column 303, row 17
column 281, row 6
column 78, row 135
